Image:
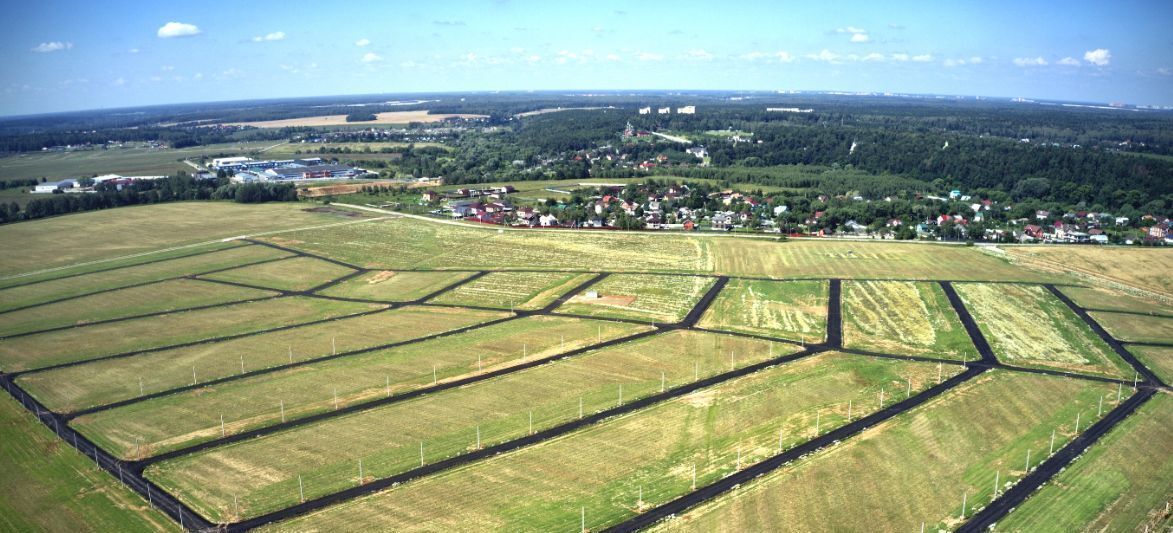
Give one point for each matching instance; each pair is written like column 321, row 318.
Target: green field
column 1110, row 300
column 1132, row 328
column 1027, row 325
column 606, row 467
column 513, row 290
column 153, row 298
column 1122, row 483
column 640, row 297
column 1159, row 359
column 903, row 318
column 137, row 161
column 795, row 310
column 296, row 274
column 72, row 388
column 389, row 286
column 77, row 344
column 170, row 422
column 49, row 486
column 387, row 439
column 106, row 271
column 914, row 468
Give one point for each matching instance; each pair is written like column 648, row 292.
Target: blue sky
column 66, row 55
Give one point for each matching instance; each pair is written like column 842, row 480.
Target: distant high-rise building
column 645, row 110
column 686, row 110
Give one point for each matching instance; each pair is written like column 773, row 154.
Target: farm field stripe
column 572, row 292
column 1158, row 344
column 278, row 368
column 1116, row 345
column 1123, row 312
column 371, row 404
column 550, row 433
column 155, row 496
column 151, row 262
column 717, row 488
column 750, row 336
column 921, row 358
column 703, row 304
column 281, row 292
column 1062, row 374
column 1051, row 467
column 303, row 253
column 835, row 313
column 970, row 325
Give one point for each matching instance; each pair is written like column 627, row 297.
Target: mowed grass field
column 387, row 439
column 1112, row 300
column 514, row 290
column 80, row 343
column 72, row 388
column 1159, row 359
column 606, row 468
column 1132, row 328
column 1122, row 483
column 1142, row 268
column 795, row 310
column 295, row 274
column 49, row 486
column 901, row 317
column 1027, row 325
column 391, row 286
column 183, row 419
column 648, row 297
column 916, row 467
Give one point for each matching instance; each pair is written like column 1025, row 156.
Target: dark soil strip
column 834, row 315
column 1156, row 344
column 504, row 447
column 1122, row 312
column 281, row 292
column 304, row 253
column 971, row 327
column 1116, row 345
column 754, row 336
column 717, row 488
column 150, row 492
column 123, row 266
column 1043, row 473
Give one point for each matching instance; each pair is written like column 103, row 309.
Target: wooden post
column 1027, row 470
column 221, row 425
column 620, row 395
column 300, row 489
column 193, row 375
column 333, row 347
column 282, row 411
column 242, row 364
column 1052, row 451
column 531, row 421
column 421, row 453
column 291, row 354
column 478, row 436
column 779, row 440
column 1100, row 410
column 940, row 366
column 694, row 476
column 434, row 374
column 849, row 410
column 662, row 381
column 580, row 407
column 997, row 475
column 360, row 476
column 140, row 386
column 908, row 393
column 1077, row 424
column 387, row 384
column 335, row 398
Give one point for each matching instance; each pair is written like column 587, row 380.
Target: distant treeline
column 172, row 189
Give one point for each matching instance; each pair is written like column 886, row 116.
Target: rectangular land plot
column 1133, row 328
column 795, row 310
column 183, row 419
column 98, row 383
column 1026, row 325
column 1122, row 483
column 916, row 467
column 604, row 468
column 82, row 343
column 141, row 300
column 1159, row 359
column 905, row 318
column 391, row 286
column 101, row 266
column 513, row 290
column 295, row 274
column 650, row 297
column 69, row 287
column 1113, row 300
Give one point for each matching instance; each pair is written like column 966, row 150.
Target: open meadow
column 513, row 290
column 1159, row 359
column 795, row 310
column 1139, row 268
column 391, row 286
column 903, row 317
column 645, row 297
column 1132, row 328
column 296, row 274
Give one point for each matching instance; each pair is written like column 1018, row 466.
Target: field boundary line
column 1123, row 312
column 1108, row 339
column 111, row 269
column 967, row 321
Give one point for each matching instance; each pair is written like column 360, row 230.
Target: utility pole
column 849, row 410
column 997, row 475
column 1027, row 469
column 221, row 425
column 662, row 381
column 291, row 354
column 1052, row 451
column 1100, row 410
column 242, row 364
column 140, row 386
column 282, row 411
column 300, row 489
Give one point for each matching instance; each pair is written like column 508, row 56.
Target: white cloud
column 900, row 57
column 873, row 57
column 133, row 50
column 1069, row 61
column 52, row 46
column 198, row 76
column 1165, row 71
column 119, row 82
column 976, row 60
column 534, row 58
column 1098, row 57
column 851, row 29
column 274, row 36
column 167, row 68
column 178, row 29
column 698, row 55
column 371, row 57
column 783, row 56
column 825, row 55
column 1030, row 61
column 362, row 42
column 753, row 56
column 614, row 57
column 950, row 62
column 858, row 35
column 649, row 56
column 860, row 38
column 923, row 58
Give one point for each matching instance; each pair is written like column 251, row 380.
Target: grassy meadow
column 1132, row 328
column 647, row 297
column 901, row 317
column 1159, row 359
column 795, row 310
column 513, row 290
column 391, row 286
column 295, row 274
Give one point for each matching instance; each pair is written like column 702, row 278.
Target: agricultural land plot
column 877, row 260
column 175, row 421
column 391, row 286
column 1112, row 300
column 903, row 317
column 1027, row 325
column 296, row 274
column 1121, row 484
column 513, row 290
column 795, row 310
column 69, row 389
column 621, row 466
column 403, row 243
column 917, row 467
column 1142, row 268
column 123, row 263
column 1133, row 328
column 1159, row 359
column 78, row 344
column 70, row 287
column 121, row 303
column 48, row 486
column 386, row 439
column 148, row 228
column 640, row 296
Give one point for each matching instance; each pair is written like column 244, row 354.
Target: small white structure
column 779, row 209
column 54, row 186
column 686, row 110
column 592, row 294
column 225, row 161
column 645, row 110
column 664, row 110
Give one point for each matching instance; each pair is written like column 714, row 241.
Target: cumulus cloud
column 178, row 29
column 860, row 38
column 901, row 57
column 858, row 35
column 614, row 57
column 362, row 42
column 923, row 58
column 1098, row 57
column 1069, row 61
column 51, row 46
column 783, row 56
column 273, row 36
column 371, row 57
column 1165, row 71
column 1030, row 61
column 976, row 60
column 119, row 82
column 873, row 57
column 826, row 55
column 133, row 51
column 698, row 55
